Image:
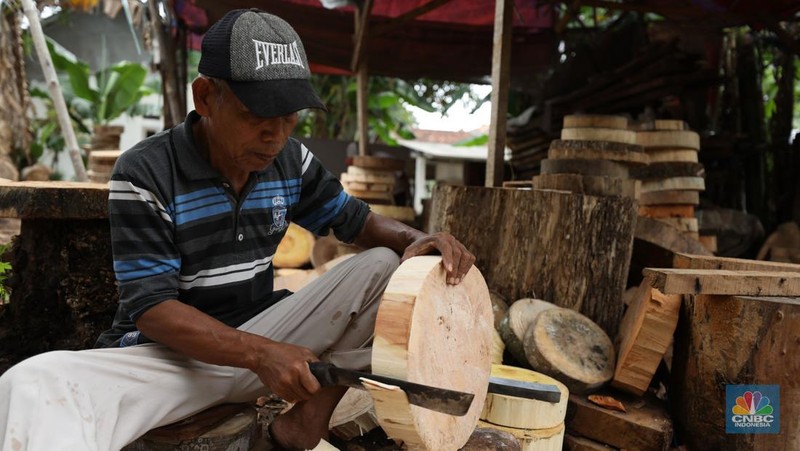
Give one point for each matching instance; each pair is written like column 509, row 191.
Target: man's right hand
column 284, row 369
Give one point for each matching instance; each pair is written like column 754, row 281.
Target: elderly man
column 196, row 215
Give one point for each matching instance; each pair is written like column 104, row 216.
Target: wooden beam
column 359, row 66
column 689, row 261
column 407, row 17
column 725, row 282
column 501, row 58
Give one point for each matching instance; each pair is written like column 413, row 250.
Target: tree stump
column 738, row 340
column 568, row 249
column 63, row 292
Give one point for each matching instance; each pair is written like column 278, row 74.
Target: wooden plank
column 595, row 152
column 672, row 155
column 644, row 335
column 663, row 170
column 666, row 211
column 674, row 183
column 668, row 139
column 724, row 282
column 587, row 184
column 501, row 62
column 603, row 168
column 599, row 134
column 645, row 425
column 53, row 200
column 670, row 197
column 595, row 121
column 690, row 261
column 670, row 124
column 377, row 163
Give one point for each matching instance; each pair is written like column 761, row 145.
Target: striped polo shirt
column 179, row 231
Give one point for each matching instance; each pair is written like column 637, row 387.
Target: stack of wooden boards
column 372, row 180
column 672, row 182
column 594, row 156
column 101, row 164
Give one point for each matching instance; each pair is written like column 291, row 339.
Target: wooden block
column 403, row 214
column 53, row 200
column 645, row 426
column 575, row 443
column 709, row 242
column 682, row 224
column 518, row 184
column 689, row 261
column 672, row 155
column 378, row 163
column 644, row 336
column 599, row 134
column 600, row 150
column 587, row 184
column 294, row 250
column 659, row 170
column 515, row 322
column 595, row 121
column 670, row 124
column 602, row 168
column 370, row 195
column 367, row 177
column 668, row 139
column 667, row 211
column 674, row 183
column 670, row 197
column 725, row 282
column 522, row 413
column 361, row 186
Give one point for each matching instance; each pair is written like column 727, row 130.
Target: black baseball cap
column 263, row 61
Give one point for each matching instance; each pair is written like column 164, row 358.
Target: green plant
column 5, row 269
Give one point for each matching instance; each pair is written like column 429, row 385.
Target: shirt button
column 226, row 185
column 241, row 237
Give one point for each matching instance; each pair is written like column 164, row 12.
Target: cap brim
column 276, row 97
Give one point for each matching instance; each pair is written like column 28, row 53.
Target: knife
column 439, row 399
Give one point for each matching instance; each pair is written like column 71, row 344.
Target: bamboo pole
column 55, row 89
column 501, row 59
column 359, row 66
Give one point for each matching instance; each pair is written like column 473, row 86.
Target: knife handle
column 323, row 372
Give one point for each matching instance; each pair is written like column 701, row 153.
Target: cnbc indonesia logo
column 754, row 410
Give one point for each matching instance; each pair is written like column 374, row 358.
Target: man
column 196, row 215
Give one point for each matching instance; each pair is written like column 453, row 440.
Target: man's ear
column 203, row 95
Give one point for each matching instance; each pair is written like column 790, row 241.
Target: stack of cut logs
column 671, row 183
column 101, row 164
column 594, row 156
column 371, row 179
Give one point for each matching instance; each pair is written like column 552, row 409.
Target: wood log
column 294, row 250
column 682, row 224
column 378, row 163
column 661, row 170
column 595, row 120
column 483, row 439
column 522, row 413
column 499, row 307
column 551, row 439
column 575, row 443
column 599, row 134
column 668, row 139
column 602, row 168
column 667, row 211
column 512, row 327
column 354, row 416
column 674, row 183
column 656, row 156
column 737, row 340
column 689, row 261
column 570, row 347
column 532, row 231
column 53, row 200
column 600, row 150
column 670, row 124
column 589, row 185
column 420, row 336
column 725, row 282
column 670, row 198
column 645, row 425
column 356, row 174
column 644, row 336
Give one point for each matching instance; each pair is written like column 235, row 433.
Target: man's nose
column 270, row 127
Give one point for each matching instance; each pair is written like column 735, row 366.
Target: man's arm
column 409, row 242
column 282, row 367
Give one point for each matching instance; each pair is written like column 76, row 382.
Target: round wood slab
column 595, row 121
column 511, row 411
column 435, row 334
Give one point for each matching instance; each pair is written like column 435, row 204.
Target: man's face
column 241, row 140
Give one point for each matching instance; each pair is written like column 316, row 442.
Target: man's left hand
column 456, row 259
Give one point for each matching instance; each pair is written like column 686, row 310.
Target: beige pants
column 103, row 399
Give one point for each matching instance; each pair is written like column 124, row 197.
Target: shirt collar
column 190, row 161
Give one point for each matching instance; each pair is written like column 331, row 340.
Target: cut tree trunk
column 523, row 413
column 737, row 340
column 568, row 249
column 512, row 327
column 571, row 348
column 421, row 336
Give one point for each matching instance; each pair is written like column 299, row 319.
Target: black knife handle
column 323, row 371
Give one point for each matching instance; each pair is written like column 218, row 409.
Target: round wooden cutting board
column 435, row 334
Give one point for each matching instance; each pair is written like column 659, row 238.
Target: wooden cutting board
column 436, row 334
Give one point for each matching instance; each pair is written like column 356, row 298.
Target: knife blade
column 521, row 389
column 442, row 400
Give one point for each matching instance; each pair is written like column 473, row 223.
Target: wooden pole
column 501, row 57
column 55, row 89
column 359, row 66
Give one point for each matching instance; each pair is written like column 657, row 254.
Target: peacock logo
column 752, row 403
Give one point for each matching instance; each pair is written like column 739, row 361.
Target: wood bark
column 671, row 139
column 421, row 336
column 595, row 121
column 483, row 439
column 725, row 340
column 568, row 249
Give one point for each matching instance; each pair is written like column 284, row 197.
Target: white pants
column 103, row 399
